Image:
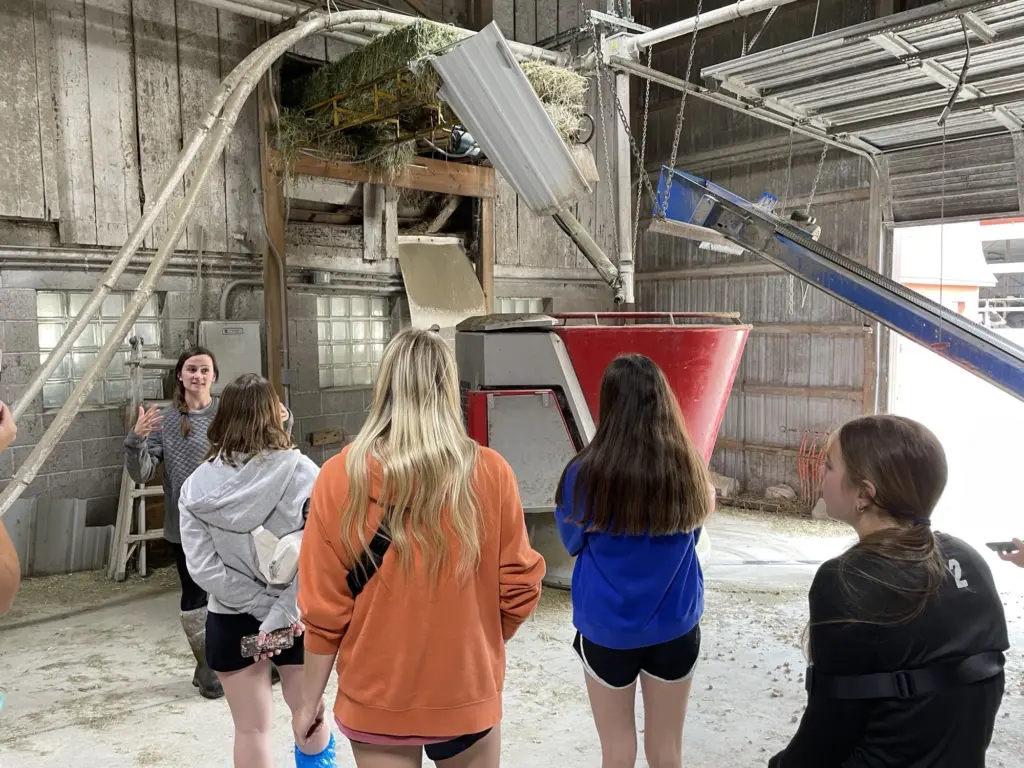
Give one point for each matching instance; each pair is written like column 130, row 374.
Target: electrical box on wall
column 236, row 345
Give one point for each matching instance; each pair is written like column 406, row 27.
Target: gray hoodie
column 220, row 506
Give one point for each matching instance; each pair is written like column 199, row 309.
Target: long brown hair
column 641, row 473
column 179, row 385
column 906, row 464
column 248, row 421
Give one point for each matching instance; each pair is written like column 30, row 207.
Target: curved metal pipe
column 225, row 293
column 163, row 196
column 254, row 67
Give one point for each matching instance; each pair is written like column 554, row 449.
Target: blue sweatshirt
column 629, row 591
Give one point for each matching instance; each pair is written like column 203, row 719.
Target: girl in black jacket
column 907, row 631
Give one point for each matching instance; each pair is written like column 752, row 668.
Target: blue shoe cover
column 326, row 759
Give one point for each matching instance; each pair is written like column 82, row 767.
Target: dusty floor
column 111, row 687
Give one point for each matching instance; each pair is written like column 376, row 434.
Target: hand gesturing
column 148, row 421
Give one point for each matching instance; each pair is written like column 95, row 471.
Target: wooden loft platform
column 423, row 174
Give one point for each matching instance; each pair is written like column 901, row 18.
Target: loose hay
column 561, row 91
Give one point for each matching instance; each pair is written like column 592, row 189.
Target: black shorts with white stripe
column 671, row 662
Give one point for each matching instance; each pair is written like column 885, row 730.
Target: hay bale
column 562, row 92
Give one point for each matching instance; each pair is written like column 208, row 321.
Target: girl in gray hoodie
column 242, row 513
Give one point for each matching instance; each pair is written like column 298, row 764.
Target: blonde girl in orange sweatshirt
column 415, row 571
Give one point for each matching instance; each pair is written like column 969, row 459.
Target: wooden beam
column 423, row 173
column 716, row 270
column 831, row 393
column 275, row 311
column 390, row 223
column 485, row 258
column 445, row 213
column 373, row 222
column 825, row 330
column 741, row 445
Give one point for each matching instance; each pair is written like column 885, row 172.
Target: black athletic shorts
column 446, row 750
column 670, row 662
column 224, row 633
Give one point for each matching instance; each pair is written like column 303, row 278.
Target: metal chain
column 817, row 178
column 641, row 164
column 605, row 76
column 682, row 107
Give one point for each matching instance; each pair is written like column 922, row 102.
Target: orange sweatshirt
column 417, row 658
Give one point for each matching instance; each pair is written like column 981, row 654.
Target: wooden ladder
column 130, row 533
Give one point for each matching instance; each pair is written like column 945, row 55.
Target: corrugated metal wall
column 809, row 365
column 961, row 180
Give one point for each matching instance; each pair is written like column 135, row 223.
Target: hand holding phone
column 1002, row 546
column 1010, row 551
column 267, row 644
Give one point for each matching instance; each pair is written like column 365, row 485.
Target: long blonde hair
column 415, row 430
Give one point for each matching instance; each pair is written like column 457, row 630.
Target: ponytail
column 915, row 572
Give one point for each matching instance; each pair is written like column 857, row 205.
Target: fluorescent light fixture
column 485, row 87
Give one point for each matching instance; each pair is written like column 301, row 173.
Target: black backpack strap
column 364, row 569
column 906, row 684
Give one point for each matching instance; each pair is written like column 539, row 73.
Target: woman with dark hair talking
column 907, row 632
column 176, row 437
column 630, row 507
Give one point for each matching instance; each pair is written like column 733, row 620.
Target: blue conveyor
column 709, row 212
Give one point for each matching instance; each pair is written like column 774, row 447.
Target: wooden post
column 275, row 310
column 373, row 222
column 485, row 259
column 390, row 223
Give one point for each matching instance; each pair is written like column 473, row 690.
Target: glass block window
column 513, row 306
column 56, row 309
column 351, row 332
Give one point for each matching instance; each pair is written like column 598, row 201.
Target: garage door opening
column 969, row 268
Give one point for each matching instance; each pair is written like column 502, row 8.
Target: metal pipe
column 167, row 190
column 226, row 293
column 623, row 197
column 677, row 83
column 730, row 12
column 263, row 11
column 591, row 251
column 254, row 67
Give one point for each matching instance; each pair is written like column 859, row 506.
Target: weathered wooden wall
column 526, row 240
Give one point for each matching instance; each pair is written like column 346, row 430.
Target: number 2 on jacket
column 954, row 568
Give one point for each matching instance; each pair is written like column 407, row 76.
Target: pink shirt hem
column 383, row 739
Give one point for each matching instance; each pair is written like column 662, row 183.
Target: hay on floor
column 562, row 92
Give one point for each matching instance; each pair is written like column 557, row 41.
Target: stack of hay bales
column 562, row 92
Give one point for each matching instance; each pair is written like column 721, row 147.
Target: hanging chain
column 604, row 76
column 817, row 178
column 791, row 283
column 682, row 107
column 642, row 168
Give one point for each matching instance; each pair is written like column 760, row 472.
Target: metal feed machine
column 530, row 388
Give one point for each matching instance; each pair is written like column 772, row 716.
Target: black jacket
column 951, row 727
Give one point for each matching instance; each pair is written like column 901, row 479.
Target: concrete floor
column 112, row 687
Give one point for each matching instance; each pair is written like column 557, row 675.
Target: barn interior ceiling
column 946, row 71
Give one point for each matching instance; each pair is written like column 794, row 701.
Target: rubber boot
column 326, row 759
column 205, row 679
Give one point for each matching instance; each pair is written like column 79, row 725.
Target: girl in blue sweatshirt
column 630, row 508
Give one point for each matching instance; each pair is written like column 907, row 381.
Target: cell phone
column 278, row 640
column 1004, row 547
